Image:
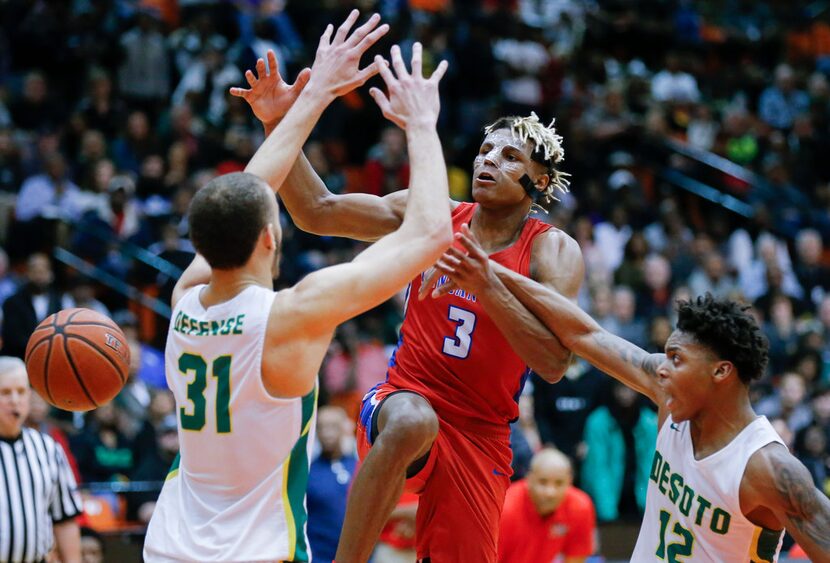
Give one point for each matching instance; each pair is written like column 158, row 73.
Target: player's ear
column 723, row 370
column 542, row 182
column 270, row 235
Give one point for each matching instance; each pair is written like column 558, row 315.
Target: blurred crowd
column 112, row 114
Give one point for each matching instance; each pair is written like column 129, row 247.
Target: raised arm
column 331, row 76
column 328, row 297
column 311, row 205
column 309, row 96
column 775, row 481
column 574, row 328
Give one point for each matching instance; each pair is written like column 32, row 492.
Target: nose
column 663, row 369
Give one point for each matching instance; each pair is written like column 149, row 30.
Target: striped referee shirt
column 37, row 489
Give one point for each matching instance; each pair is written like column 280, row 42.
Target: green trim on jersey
column 295, row 483
column 765, row 545
column 174, row 467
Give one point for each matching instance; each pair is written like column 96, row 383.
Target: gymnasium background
column 697, row 134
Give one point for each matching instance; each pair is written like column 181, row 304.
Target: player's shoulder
column 771, row 473
column 556, row 249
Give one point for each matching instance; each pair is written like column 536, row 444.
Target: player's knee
column 413, row 428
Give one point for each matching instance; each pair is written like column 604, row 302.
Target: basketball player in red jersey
column 439, row 424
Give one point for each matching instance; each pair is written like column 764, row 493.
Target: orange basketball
column 77, row 359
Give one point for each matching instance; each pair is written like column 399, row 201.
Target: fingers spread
column 363, row 30
column 439, row 72
column 302, row 79
column 417, row 58
column 397, row 62
column 385, row 73
column 325, row 39
column 372, row 38
column 260, row 69
column 249, row 76
column 239, row 92
column 273, row 63
column 344, row 28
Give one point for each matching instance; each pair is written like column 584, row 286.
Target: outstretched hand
column 270, row 97
column 468, row 270
column 411, row 96
column 336, row 65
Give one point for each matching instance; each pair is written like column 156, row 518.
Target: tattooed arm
column 577, row 331
column 776, row 482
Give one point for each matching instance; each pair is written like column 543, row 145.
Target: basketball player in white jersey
column 723, row 485
column 242, row 360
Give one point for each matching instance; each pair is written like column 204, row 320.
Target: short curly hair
column 728, row 330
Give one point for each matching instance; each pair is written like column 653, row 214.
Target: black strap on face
column 530, row 188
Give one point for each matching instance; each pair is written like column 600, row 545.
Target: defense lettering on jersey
column 186, row 324
column 675, row 488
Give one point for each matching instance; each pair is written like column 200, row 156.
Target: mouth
column 485, row 178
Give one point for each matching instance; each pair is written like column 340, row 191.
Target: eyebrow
column 672, row 348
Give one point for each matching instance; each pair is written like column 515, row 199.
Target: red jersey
column 527, row 537
column 452, row 353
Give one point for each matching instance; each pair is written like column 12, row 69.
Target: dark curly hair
column 728, row 330
column 227, row 217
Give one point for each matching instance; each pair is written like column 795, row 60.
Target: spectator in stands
column 781, row 332
column 103, row 451
column 673, row 84
column 144, row 74
column 136, row 143
column 561, row 409
column 11, row 167
column 654, row 299
column 545, row 517
column 611, row 236
column 40, row 419
column 36, row 111
column 151, row 366
column 812, row 274
column 811, row 450
column 162, row 405
column 328, row 481
column 788, row 403
column 206, row 81
column 154, row 466
column 631, row 272
column 781, row 103
column 629, row 325
column 101, row 109
column 713, row 277
column 387, row 168
column 37, row 299
column 620, row 440
column 51, row 195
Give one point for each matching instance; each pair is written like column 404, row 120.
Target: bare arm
column 556, row 263
column 328, row 297
column 332, row 75
column 577, row 331
column 778, row 482
column 574, row 328
column 312, row 207
column 68, row 541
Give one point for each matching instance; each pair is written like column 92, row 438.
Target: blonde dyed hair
column 547, row 148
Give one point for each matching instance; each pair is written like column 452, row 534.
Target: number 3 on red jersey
column 459, row 345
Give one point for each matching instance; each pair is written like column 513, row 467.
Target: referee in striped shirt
column 38, row 496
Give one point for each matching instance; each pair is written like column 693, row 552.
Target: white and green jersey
column 237, row 490
column 693, row 509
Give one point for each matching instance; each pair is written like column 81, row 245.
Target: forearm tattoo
column 807, row 509
column 629, row 353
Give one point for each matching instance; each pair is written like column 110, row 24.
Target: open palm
column 270, row 97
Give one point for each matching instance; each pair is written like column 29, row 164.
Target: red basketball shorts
column 461, row 487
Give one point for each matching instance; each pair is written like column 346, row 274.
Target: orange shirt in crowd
column 527, row 537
